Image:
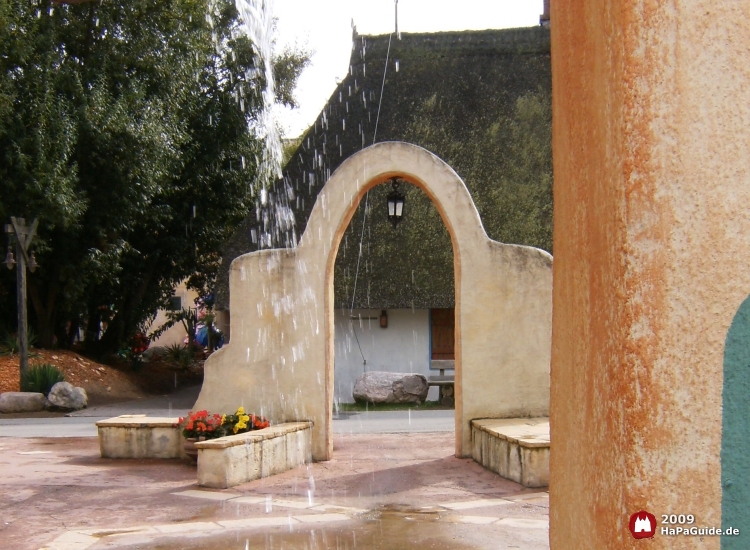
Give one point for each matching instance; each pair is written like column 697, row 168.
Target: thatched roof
column 480, row 100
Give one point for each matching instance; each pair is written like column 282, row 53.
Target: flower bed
column 223, row 461
column 203, row 425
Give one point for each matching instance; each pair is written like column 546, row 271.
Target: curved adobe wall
column 280, row 360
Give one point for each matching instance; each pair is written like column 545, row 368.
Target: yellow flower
column 223, row 418
column 240, row 411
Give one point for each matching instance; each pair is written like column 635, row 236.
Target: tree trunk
column 117, row 330
column 45, row 313
column 93, row 325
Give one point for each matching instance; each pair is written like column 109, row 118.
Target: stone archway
column 281, row 357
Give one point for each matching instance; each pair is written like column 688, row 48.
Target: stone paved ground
column 385, row 491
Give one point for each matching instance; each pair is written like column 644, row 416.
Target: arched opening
column 338, row 236
column 282, row 354
column 394, row 297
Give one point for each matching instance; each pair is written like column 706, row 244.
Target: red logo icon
column 642, row 525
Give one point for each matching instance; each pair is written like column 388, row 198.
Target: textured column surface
column 651, row 147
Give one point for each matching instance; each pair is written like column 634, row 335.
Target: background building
column 481, row 101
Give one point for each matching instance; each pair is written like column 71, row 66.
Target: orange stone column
column 651, row 147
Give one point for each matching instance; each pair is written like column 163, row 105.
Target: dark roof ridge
column 514, row 40
column 446, row 33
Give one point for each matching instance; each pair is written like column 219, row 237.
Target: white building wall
column 402, row 347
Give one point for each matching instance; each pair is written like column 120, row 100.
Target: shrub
column 9, row 345
column 179, row 355
column 41, row 378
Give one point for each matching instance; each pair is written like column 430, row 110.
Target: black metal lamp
column 383, row 319
column 396, row 201
column 10, row 259
column 32, row 263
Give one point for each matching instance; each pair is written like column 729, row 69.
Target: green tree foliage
column 126, row 127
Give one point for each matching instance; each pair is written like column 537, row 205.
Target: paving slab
column 480, row 503
column 256, row 523
column 208, row 495
column 322, row 518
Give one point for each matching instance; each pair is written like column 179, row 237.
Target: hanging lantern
column 10, row 260
column 383, row 319
column 396, row 201
column 32, row 263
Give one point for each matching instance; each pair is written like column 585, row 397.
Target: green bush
column 9, row 344
column 179, row 355
column 41, row 378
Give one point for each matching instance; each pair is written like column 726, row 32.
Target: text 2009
column 674, row 519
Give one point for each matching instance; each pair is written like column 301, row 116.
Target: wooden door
column 443, row 333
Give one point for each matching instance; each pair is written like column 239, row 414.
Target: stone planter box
column 139, row 436
column 235, row 459
column 515, row 448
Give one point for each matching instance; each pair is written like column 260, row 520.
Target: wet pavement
column 381, row 490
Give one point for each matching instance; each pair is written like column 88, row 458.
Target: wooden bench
column 445, row 382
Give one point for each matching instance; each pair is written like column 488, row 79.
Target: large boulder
column 65, row 396
column 21, row 402
column 391, row 387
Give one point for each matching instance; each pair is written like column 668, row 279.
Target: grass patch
column 362, row 407
column 41, row 378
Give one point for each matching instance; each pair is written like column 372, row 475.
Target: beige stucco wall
column 651, row 148
column 176, row 333
column 280, row 359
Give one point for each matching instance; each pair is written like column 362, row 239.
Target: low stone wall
column 515, row 448
column 139, row 436
column 235, row 459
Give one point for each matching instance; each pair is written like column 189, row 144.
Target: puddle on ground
column 387, row 528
